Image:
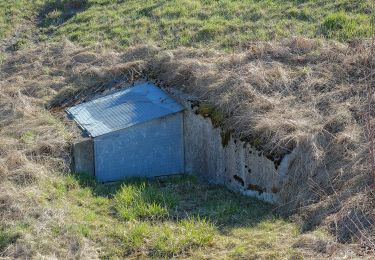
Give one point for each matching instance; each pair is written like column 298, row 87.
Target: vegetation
column 13, row 12
column 202, row 220
column 223, row 24
column 299, row 94
column 46, row 210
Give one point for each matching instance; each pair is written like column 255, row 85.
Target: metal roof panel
column 134, row 105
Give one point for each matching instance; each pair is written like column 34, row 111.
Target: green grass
column 207, row 110
column 13, row 12
column 169, row 238
column 141, row 200
column 28, row 137
column 341, row 25
column 7, row 237
column 223, row 23
column 169, row 217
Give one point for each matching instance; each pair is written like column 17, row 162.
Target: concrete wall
column 83, row 157
column 153, row 148
column 219, row 158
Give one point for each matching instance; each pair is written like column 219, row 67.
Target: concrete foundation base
column 83, row 157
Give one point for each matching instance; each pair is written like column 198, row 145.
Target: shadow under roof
column 123, row 109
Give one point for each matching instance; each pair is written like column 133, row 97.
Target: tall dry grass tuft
column 299, row 96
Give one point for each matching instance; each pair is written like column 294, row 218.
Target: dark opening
column 239, row 179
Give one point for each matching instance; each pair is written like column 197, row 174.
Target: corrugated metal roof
column 123, row 109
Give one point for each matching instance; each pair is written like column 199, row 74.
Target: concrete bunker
column 172, row 141
column 134, row 132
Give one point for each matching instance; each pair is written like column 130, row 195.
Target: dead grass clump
column 7, row 144
column 314, row 244
column 25, row 176
column 3, row 168
column 15, row 160
column 354, row 221
column 10, row 209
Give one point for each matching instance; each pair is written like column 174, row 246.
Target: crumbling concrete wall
column 83, row 154
column 220, row 158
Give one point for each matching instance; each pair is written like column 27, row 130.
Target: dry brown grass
column 300, row 96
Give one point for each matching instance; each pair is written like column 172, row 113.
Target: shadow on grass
column 57, row 12
column 174, row 216
column 179, row 197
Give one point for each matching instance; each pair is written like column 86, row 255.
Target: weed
column 225, row 210
column 343, row 26
column 20, row 44
column 7, row 237
column 169, row 239
column 54, row 18
column 28, row 137
column 186, row 235
column 142, row 200
column 207, row 110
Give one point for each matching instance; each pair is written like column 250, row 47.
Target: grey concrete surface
column 83, row 156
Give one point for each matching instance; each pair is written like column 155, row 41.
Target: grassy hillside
column 172, row 23
column 299, row 94
column 223, row 23
column 46, row 210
